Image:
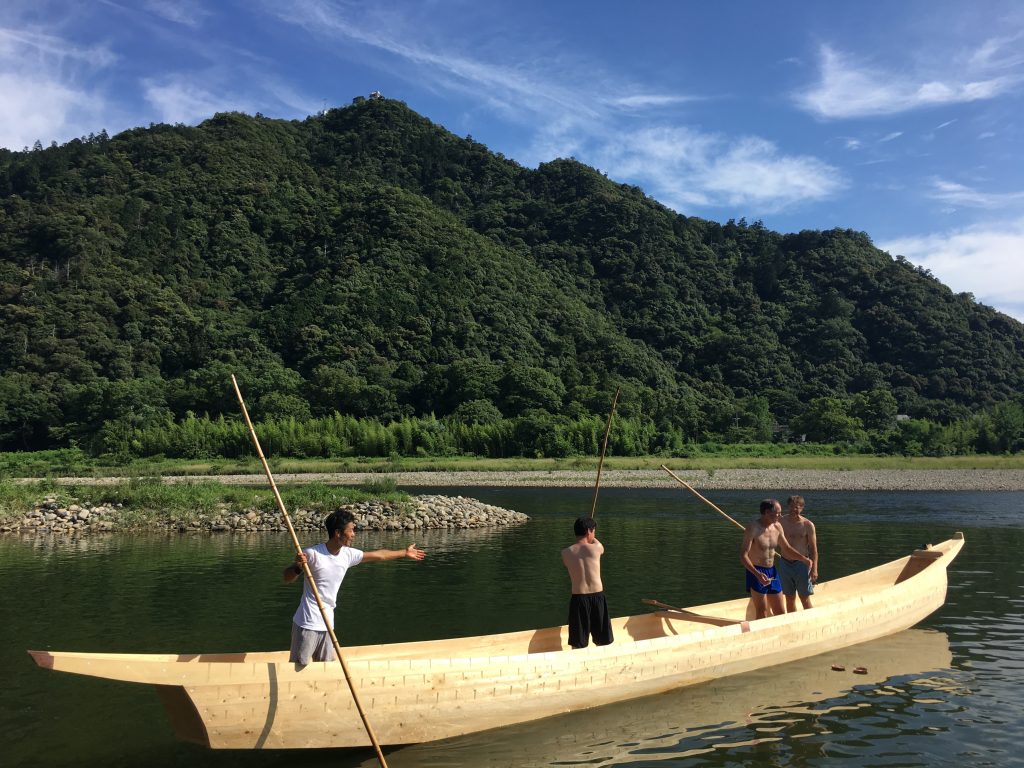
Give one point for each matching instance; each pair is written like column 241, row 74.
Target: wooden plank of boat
column 422, row 691
column 659, row 727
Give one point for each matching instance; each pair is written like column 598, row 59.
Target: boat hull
column 417, row 692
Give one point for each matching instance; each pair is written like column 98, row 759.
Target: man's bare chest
column 768, row 538
column 796, row 532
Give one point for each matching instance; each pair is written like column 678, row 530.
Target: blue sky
column 900, row 119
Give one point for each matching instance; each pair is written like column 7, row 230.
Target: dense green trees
column 478, row 428
column 366, row 264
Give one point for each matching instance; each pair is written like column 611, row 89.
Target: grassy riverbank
column 70, row 463
column 183, row 490
column 143, row 499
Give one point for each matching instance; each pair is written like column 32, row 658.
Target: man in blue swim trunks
column 761, row 539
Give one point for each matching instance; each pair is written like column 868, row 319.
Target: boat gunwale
column 361, row 658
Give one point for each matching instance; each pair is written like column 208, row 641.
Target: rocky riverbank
column 420, row 513
column 436, row 511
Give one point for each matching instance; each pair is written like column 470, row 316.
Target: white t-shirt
column 328, row 571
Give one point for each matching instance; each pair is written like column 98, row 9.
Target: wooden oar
column 716, row 620
column 604, row 450
column 309, row 576
column 711, row 504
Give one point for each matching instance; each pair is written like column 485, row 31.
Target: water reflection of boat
column 423, row 691
column 657, row 725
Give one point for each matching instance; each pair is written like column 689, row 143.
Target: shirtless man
column 795, row 577
column 588, row 610
column 757, row 554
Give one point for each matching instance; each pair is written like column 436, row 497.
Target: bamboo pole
column 309, row 576
column 604, row 450
column 711, row 504
column 716, row 620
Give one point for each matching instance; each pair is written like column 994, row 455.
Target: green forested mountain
column 368, row 262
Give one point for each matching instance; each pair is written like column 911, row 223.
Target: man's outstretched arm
column 412, row 552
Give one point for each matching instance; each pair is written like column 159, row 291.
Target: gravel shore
column 431, row 511
column 723, row 479
column 419, row 513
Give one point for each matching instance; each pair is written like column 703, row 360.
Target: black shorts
column 588, row 616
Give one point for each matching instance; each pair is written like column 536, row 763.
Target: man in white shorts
column 329, row 562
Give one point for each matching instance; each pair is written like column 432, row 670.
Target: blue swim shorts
column 771, row 589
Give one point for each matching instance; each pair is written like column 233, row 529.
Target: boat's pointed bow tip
column 958, row 535
column 42, row 658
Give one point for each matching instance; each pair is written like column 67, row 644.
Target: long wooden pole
column 604, row 450
column 692, row 490
column 716, row 620
column 309, row 576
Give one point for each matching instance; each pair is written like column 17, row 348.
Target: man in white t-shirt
column 329, row 562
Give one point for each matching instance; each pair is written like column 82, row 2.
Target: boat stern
column 42, row 659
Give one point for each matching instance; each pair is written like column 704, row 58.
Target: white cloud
column 41, row 87
column 33, row 48
column 35, row 110
column 890, row 137
column 998, row 53
column 753, row 172
column 684, row 168
column 649, row 100
column 524, row 89
column 555, row 138
column 180, row 99
column 984, row 260
column 291, row 98
column 848, row 89
column 186, row 12
column 573, row 109
column 960, row 194
column 54, row 88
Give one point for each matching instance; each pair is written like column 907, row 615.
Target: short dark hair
column 768, row 504
column 337, row 521
column 584, row 524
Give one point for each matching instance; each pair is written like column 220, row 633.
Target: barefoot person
column 795, row 577
column 588, row 610
column 329, row 562
column 757, row 554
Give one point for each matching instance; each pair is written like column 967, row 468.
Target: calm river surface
column 945, row 693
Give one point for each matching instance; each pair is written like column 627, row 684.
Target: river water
column 945, row 693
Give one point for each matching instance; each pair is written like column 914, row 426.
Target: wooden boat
column 423, row 691
column 668, row 726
